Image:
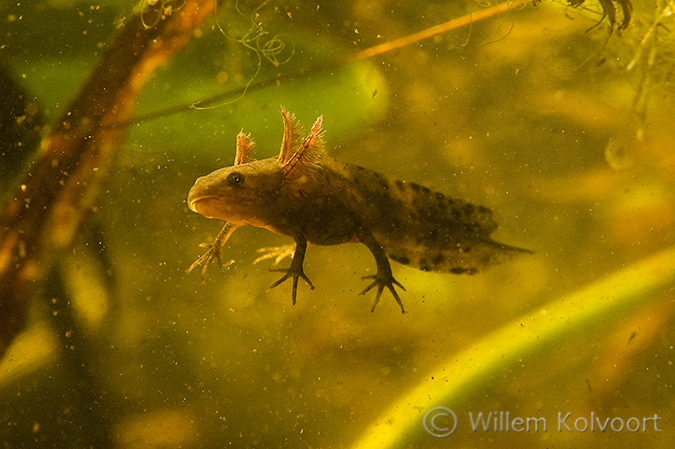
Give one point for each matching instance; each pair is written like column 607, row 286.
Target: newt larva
column 313, row 198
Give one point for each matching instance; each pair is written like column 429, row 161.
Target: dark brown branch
column 59, row 188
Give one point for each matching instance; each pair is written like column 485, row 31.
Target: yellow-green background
column 532, row 113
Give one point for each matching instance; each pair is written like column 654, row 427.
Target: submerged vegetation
column 556, row 115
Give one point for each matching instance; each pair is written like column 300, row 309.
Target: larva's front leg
column 214, row 249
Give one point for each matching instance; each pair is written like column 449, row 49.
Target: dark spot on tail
column 463, row 271
column 401, row 259
column 382, row 181
column 438, row 259
column 419, row 188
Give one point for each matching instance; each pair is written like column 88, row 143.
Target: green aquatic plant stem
column 625, row 290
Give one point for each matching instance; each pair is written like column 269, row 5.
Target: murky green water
column 527, row 113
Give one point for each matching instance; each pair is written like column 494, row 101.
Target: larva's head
column 240, row 194
column 246, row 192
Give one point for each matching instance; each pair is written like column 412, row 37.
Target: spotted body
column 316, row 199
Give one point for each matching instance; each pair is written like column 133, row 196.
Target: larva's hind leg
column 384, row 277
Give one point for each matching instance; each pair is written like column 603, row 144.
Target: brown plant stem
column 376, row 50
column 59, row 188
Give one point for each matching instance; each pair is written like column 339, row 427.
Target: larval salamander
column 313, row 198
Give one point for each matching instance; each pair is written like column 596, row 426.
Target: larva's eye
column 235, row 179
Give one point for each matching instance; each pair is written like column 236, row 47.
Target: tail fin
column 466, row 258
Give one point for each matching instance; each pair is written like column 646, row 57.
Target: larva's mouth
column 213, row 206
column 192, row 204
column 201, row 204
